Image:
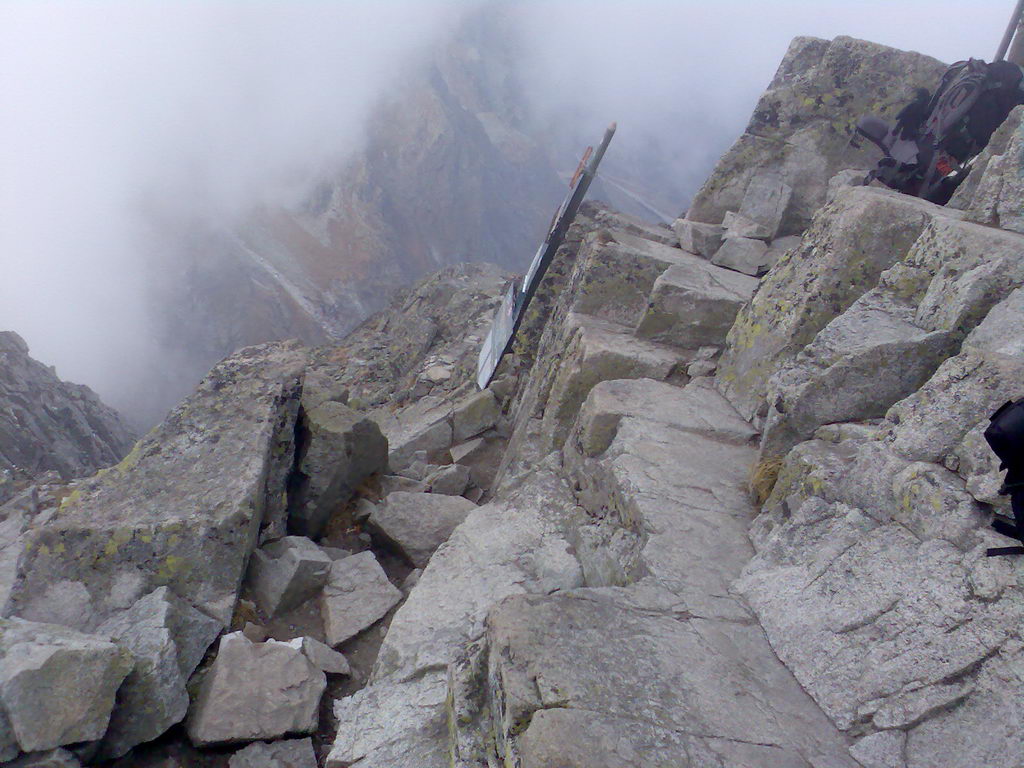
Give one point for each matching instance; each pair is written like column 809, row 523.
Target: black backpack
column 928, row 151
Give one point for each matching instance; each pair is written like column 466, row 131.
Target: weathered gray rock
column 858, row 365
column 451, row 480
column 999, row 194
column 779, row 247
column 799, row 133
column 605, row 216
column 742, row 254
column 342, row 448
column 255, row 691
column 167, row 639
column 931, row 423
column 383, row 726
column 399, row 720
column 964, row 197
column 694, row 305
column 357, row 594
column 737, row 226
column 47, row 424
column 846, row 178
column 883, row 749
column 418, row 523
column 56, row 685
column 426, row 425
column 477, row 413
column 700, row 239
column 324, row 658
column 765, row 202
column 286, row 573
column 614, row 275
column 290, row 753
column 860, row 233
column 595, row 351
column 184, row 509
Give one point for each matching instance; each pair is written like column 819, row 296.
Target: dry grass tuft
column 762, row 479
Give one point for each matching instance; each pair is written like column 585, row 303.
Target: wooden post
column 1010, row 29
column 1016, row 53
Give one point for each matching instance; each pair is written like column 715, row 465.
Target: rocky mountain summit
column 49, row 425
column 725, row 505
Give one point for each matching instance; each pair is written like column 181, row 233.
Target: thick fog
column 118, row 111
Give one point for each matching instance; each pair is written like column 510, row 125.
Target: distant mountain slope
column 446, row 176
column 48, row 424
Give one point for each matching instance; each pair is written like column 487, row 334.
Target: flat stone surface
column 56, row 685
column 607, row 217
column 357, row 594
column 184, row 509
column 451, row 480
column 418, row 523
column 290, row 753
column 742, row 254
column 694, row 305
column 255, row 691
column 287, row 572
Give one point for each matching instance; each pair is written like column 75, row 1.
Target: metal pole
column 1010, row 29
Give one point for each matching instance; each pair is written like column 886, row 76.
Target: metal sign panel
column 510, row 313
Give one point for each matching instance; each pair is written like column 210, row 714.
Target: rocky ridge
column 50, row 426
column 715, row 511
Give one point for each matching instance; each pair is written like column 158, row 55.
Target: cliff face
column 48, row 425
column 701, row 517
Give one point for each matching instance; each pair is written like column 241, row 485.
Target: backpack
column 929, row 150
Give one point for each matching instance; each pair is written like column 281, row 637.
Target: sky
column 116, row 109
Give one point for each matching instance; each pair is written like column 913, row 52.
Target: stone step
column 615, row 274
column 596, row 350
column 694, row 304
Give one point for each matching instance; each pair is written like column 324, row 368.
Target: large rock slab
column 594, row 678
column 860, row 233
column 694, row 305
column 341, row 449
column 286, row 573
column 57, row 685
column 858, row 365
column 418, row 523
column 766, row 201
column 799, row 133
column 597, row 350
column 183, row 510
column 255, row 691
column 357, row 594
column 167, row 639
column 477, row 413
column 890, row 615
